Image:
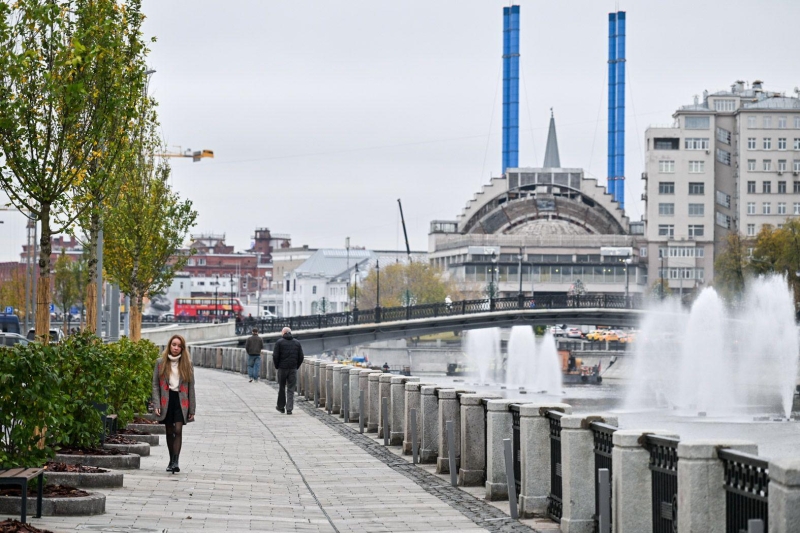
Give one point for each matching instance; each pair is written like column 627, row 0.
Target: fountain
column 532, row 364
column 482, row 349
column 717, row 361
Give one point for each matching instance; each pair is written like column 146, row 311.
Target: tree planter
column 150, row 429
column 140, row 448
column 119, row 462
column 85, row 480
column 152, row 440
column 145, row 416
column 94, row 503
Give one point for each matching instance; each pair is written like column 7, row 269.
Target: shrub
column 132, row 364
column 31, row 403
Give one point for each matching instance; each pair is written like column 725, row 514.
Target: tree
column 730, row 267
column 67, row 285
column 424, row 283
column 12, row 292
column 778, row 250
column 65, row 65
column 146, row 226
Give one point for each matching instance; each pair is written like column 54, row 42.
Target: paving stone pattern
column 246, row 467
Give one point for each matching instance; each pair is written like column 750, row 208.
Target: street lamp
column 627, row 262
column 661, row 272
column 491, row 283
column 231, row 294
column 355, row 290
column 216, row 298
column 520, row 297
column 347, row 247
column 378, row 290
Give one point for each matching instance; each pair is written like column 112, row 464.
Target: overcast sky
column 322, row 113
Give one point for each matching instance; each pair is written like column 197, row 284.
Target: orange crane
column 196, row 156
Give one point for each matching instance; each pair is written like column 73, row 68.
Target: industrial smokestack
column 510, row 87
column 619, row 123
column 612, row 101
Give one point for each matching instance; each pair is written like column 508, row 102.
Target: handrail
column 727, row 454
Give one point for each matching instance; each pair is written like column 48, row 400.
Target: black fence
column 594, row 346
column 746, row 489
column 664, row 469
column 485, row 403
column 554, row 502
column 465, row 307
column 603, row 446
column 516, row 445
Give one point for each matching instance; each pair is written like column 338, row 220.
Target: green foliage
column 402, row 284
column 68, row 283
column 132, row 374
column 31, row 400
column 778, row 250
column 730, row 268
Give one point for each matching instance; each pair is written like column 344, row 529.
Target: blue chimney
column 619, row 123
column 612, row 100
column 510, row 87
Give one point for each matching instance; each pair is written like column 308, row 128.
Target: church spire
column 551, row 158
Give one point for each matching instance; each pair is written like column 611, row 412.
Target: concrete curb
column 152, row 440
column 84, row 480
column 118, row 462
column 93, row 504
column 150, row 429
column 140, row 448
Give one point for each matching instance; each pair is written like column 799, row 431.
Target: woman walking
column 173, row 395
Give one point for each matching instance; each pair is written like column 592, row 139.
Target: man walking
column 253, row 347
column 287, row 356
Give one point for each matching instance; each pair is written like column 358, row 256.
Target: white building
column 730, row 162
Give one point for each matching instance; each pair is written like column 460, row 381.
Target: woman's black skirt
column 174, row 411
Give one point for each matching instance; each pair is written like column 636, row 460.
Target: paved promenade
column 246, row 467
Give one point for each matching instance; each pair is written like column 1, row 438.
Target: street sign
column 52, row 308
column 9, row 310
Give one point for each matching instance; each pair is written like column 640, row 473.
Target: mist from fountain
column 533, row 364
column 482, row 349
column 714, row 361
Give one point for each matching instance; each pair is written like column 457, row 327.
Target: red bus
column 198, row 307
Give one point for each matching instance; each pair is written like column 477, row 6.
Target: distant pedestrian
column 173, row 395
column 386, row 367
column 253, row 347
column 287, row 356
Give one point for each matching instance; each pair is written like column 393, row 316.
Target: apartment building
column 729, row 162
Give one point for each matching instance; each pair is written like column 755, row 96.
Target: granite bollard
column 354, row 389
column 384, row 391
column 373, row 402
column 322, row 372
column 413, row 401
column 784, row 496
column 336, row 381
column 472, row 471
column 429, row 440
column 498, row 427
column 398, row 408
column 448, row 411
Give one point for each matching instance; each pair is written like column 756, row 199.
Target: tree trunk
column 91, row 275
column 135, row 319
column 43, row 288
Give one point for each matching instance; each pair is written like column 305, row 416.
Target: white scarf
column 174, row 375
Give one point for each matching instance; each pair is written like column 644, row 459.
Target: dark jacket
column 254, row 345
column 287, row 354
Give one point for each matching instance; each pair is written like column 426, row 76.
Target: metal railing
column 554, row 502
column 594, row 346
column 464, row 307
column 516, row 445
column 603, row 446
column 664, row 468
column 746, row 489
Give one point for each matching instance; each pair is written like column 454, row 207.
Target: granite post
column 398, row 408
column 384, row 391
column 498, row 427
column 429, row 441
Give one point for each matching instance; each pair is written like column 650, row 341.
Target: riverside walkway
column 246, row 467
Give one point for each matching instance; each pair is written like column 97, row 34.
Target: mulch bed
column 127, row 431
column 15, row 526
column 90, row 451
column 53, row 466
column 138, row 420
column 50, row 491
column 120, row 439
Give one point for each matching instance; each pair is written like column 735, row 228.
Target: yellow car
column 594, row 335
column 609, row 335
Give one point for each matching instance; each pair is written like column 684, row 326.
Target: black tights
column 174, row 438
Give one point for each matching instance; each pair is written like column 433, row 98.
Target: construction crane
column 196, row 155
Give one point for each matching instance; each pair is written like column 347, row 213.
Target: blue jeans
column 254, row 366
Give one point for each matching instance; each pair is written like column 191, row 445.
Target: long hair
column 184, row 365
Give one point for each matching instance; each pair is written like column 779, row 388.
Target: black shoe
column 279, row 409
column 175, row 467
column 288, row 412
column 171, row 464
column 251, row 381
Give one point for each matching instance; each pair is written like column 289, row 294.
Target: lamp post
column 231, row 295
column 627, row 263
column 355, row 291
column 378, row 291
column 520, row 297
column 491, row 283
column 216, row 298
column 661, row 258
column 347, row 247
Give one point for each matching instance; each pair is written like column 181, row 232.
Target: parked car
column 9, row 323
column 56, row 335
column 10, row 339
column 574, row 333
column 609, row 335
column 595, row 335
column 556, row 331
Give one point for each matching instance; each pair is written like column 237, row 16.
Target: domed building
column 558, row 227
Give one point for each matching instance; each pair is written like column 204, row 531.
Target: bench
column 109, row 421
column 20, row 477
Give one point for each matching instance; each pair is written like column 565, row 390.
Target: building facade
column 728, row 163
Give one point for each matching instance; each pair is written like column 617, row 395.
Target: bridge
column 319, row 333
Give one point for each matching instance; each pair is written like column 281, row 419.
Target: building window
column 666, row 209
column 796, row 144
column 723, row 136
column 666, row 167
column 666, row 187
column 797, row 123
column 751, row 164
column 697, row 167
column 781, row 187
column 201, row 261
column 751, row 187
column 313, row 289
column 697, row 210
column 642, row 252
column 723, row 157
column 697, row 188
column 666, row 230
column 696, row 143
column 697, row 123
column 767, row 143
column 751, row 143
column 766, row 208
column 796, row 165
column 781, row 165
column 294, row 285
column 725, row 104
column 696, row 230
column 781, row 123
column 796, row 207
column 781, row 208
column 751, row 230
column 723, row 220
column 767, row 122
column 666, row 144
column 767, row 165
column 781, row 143
column 766, row 187
column 751, row 208
column 796, row 187
column 751, row 122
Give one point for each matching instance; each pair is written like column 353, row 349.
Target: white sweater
column 174, row 375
